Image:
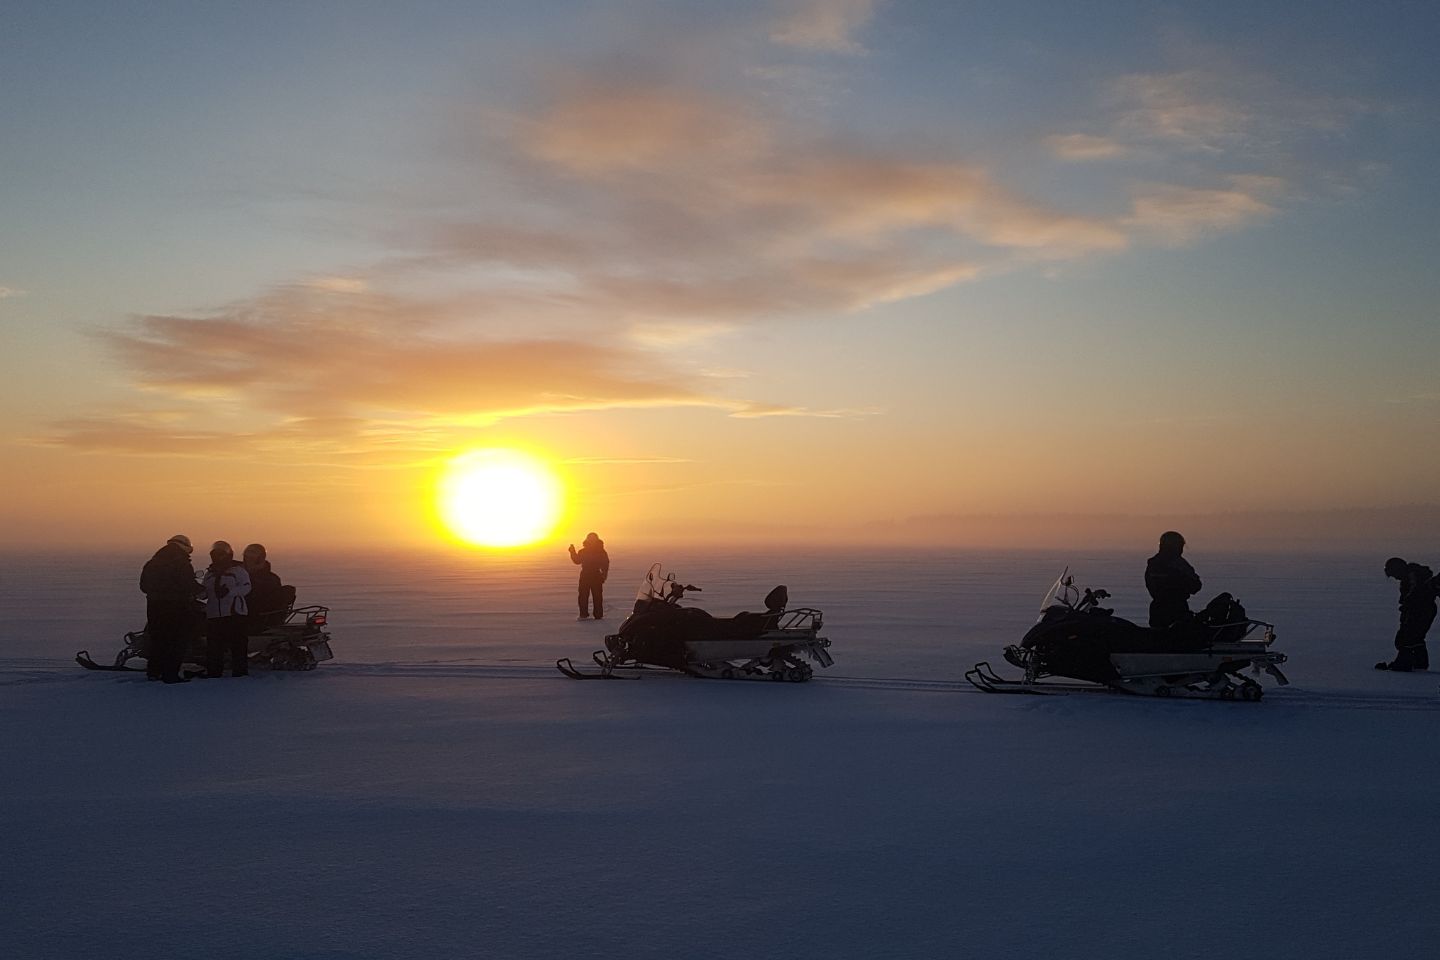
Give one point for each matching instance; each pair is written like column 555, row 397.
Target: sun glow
column 499, row 498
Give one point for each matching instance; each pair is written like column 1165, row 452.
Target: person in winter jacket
column 269, row 599
column 168, row 582
column 594, row 565
column 227, row 622
column 1417, row 612
column 1171, row 582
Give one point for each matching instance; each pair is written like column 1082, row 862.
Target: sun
column 499, row 498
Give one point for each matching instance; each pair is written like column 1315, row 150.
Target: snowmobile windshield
column 1062, row 593
column 657, row 585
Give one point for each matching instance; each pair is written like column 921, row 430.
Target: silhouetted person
column 1417, row 612
column 168, row 582
column 594, row 568
column 226, row 613
column 269, row 599
column 1171, row 582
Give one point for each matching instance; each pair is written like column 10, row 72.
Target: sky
column 834, row 271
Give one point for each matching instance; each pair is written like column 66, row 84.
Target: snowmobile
column 291, row 639
column 1078, row 639
column 748, row 646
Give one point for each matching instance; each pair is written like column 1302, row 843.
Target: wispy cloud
column 626, row 460
column 307, row 352
column 1213, row 147
column 1179, row 215
column 757, row 410
column 825, row 25
column 1223, row 107
column 1084, row 146
column 8, row 292
column 350, row 374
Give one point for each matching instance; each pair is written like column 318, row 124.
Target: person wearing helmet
column 168, row 582
column 594, row 565
column 269, row 600
column 1171, row 582
column 227, row 623
column 1417, row 612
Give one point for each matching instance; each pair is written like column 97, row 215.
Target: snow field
column 440, row 794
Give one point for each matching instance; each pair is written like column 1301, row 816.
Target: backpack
column 1227, row 613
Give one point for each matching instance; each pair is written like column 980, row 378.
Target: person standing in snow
column 1171, row 582
column 168, row 582
column 1417, row 612
column 594, row 565
column 227, row 624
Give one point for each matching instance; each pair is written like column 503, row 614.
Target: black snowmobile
column 748, row 646
column 1078, row 639
column 291, row 639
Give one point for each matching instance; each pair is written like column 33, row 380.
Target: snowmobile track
column 470, row 670
column 27, row 671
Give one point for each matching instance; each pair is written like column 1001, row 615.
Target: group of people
column 240, row 596
column 245, row 595
column 1172, row 581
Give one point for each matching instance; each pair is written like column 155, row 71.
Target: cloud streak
column 1180, row 215
column 308, row 352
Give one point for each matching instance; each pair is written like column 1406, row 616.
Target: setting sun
column 499, row 498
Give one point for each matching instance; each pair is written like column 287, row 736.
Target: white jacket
column 236, row 581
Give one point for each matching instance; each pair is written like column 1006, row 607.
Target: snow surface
column 439, row 791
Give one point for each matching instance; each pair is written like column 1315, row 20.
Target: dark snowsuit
column 269, row 598
column 1417, row 612
column 1171, row 582
column 594, row 565
column 168, row 581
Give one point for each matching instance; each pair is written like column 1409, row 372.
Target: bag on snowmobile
column 1227, row 615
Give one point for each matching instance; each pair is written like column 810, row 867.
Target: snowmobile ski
column 83, row 658
column 602, row 660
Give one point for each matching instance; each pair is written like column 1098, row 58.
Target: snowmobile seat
column 746, row 624
column 749, row 624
